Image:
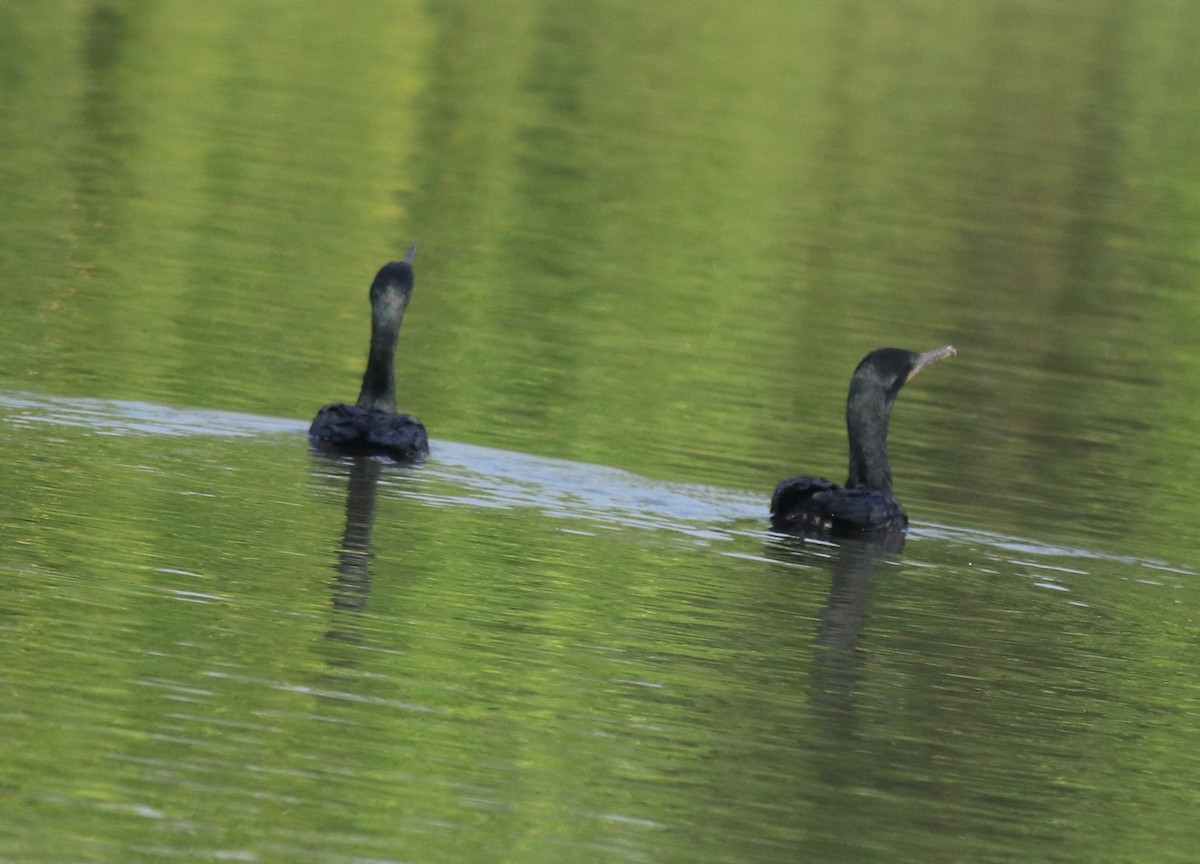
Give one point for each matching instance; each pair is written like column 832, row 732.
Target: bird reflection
column 352, row 574
column 851, row 564
column 849, row 589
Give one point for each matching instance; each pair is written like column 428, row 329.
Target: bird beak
column 929, row 357
column 412, row 250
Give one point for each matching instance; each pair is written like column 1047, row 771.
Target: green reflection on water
column 654, row 237
column 347, row 663
column 650, row 238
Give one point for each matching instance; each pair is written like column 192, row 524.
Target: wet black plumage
column 371, row 425
column 813, row 505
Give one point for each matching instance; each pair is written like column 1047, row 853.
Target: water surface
column 654, row 242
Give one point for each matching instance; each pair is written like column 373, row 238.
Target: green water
column 654, row 241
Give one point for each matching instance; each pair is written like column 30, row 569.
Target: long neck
column 867, row 416
column 379, row 381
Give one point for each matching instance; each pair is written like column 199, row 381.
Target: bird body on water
column 865, row 505
column 371, row 425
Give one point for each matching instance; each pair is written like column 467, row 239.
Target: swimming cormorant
column 813, row 505
column 371, row 425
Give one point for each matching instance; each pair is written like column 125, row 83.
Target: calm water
column 655, row 239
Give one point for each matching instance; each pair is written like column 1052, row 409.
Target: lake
column 654, row 241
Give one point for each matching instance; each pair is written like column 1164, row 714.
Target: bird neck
column 378, row 391
column 867, row 417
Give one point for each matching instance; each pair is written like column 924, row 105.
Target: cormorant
column 371, row 425
column 813, row 505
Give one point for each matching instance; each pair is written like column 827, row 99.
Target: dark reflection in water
column 851, row 563
column 352, row 573
column 845, row 608
column 838, row 665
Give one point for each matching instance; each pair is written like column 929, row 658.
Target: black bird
column 371, row 425
column 813, row 505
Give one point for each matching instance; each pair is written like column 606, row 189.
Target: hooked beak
column 929, row 357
